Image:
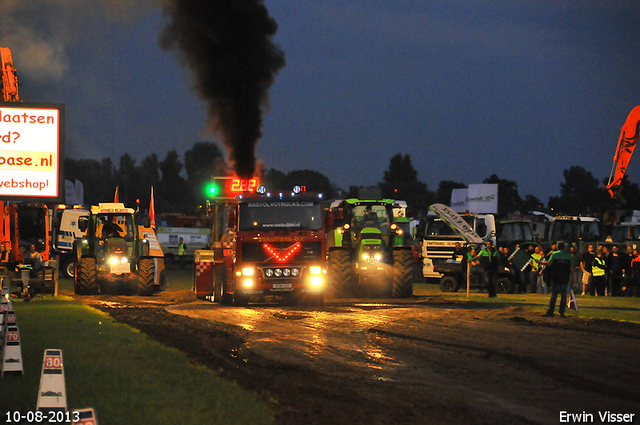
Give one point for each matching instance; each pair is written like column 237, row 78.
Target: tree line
column 179, row 184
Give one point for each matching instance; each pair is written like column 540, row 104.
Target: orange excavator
column 23, row 224
column 9, row 77
column 626, row 145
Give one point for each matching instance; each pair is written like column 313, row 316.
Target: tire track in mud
column 551, row 371
column 432, row 392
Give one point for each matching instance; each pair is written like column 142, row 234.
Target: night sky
column 521, row 89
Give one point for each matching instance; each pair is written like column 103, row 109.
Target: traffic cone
column 85, row 417
column 7, row 318
column 12, row 354
column 52, row 395
column 10, row 318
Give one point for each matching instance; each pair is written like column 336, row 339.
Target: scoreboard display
column 230, row 187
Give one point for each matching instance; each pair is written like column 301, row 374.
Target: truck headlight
column 316, row 280
column 315, row 270
column 247, row 271
column 248, row 283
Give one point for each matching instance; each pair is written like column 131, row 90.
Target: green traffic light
column 212, row 190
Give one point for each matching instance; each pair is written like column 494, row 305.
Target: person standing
column 559, row 266
column 616, row 271
column 598, row 271
column 182, row 249
column 5, row 252
column 633, row 286
column 489, row 259
column 585, row 265
column 535, row 269
column 606, row 251
column 575, row 269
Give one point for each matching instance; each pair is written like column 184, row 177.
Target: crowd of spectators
column 603, row 270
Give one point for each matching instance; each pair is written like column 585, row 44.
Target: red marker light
column 281, row 258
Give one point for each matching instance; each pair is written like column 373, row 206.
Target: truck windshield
column 32, row 227
column 437, row 227
column 280, row 215
column 511, row 232
column 574, row 230
column 625, row 233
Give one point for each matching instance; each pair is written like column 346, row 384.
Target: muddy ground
column 416, row 361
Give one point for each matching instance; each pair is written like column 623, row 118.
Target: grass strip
column 624, row 309
column 123, row 374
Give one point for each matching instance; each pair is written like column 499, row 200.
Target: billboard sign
column 477, row 198
column 31, row 151
column 483, row 198
column 459, row 200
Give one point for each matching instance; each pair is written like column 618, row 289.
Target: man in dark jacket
column 559, row 265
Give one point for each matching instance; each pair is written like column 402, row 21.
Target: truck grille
column 256, row 252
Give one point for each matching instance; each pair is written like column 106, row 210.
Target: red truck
column 274, row 245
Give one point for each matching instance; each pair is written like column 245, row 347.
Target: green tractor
column 369, row 248
column 112, row 257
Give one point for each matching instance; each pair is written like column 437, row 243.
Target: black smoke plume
column 228, row 45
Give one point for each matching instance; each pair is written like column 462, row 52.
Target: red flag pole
column 115, row 197
column 152, row 210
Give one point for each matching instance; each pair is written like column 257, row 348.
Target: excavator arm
column 9, row 77
column 626, row 145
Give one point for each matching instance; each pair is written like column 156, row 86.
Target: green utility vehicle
column 369, row 252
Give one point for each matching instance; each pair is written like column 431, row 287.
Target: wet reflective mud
column 412, row 362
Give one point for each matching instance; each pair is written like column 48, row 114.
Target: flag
column 115, row 197
column 69, row 192
column 152, row 210
column 79, row 192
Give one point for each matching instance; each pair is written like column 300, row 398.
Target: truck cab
column 439, row 239
column 274, row 246
column 576, row 230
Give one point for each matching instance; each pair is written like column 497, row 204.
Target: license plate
column 120, row 268
column 282, row 285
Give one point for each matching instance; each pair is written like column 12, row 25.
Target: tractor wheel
column 145, row 276
column 162, row 282
column 449, row 284
column 87, row 283
column 341, row 274
column 505, row 286
column 402, row 286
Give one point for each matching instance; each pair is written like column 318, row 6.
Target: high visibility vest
column 598, row 267
column 535, row 261
column 181, row 249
